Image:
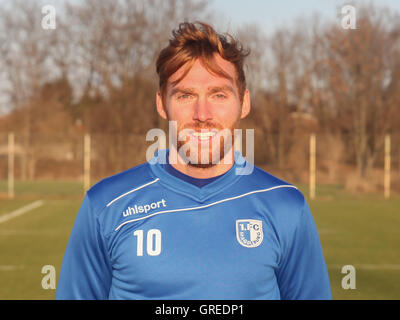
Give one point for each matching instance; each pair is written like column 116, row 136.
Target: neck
column 219, row 168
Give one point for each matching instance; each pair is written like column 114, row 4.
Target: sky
column 270, row 14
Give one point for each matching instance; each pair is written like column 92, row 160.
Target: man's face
column 207, row 109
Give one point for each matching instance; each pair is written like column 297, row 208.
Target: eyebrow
column 221, row 88
column 209, row 89
column 175, row 90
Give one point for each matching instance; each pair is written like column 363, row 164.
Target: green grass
column 31, row 241
column 362, row 231
column 37, row 238
column 45, row 188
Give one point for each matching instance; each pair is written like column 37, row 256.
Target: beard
column 208, row 153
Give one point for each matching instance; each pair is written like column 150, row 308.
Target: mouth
column 202, row 136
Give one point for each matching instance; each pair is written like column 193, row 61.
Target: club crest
column 249, row 232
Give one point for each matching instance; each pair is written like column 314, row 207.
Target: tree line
column 95, row 73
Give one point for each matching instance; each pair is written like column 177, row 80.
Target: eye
column 220, row 96
column 184, row 96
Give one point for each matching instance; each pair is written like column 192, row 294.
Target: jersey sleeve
column 86, row 270
column 302, row 273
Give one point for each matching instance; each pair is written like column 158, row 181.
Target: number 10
column 153, row 245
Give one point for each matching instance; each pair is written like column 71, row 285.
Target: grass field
column 363, row 231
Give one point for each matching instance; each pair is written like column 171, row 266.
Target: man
column 190, row 224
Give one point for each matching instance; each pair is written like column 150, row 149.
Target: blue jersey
column 146, row 234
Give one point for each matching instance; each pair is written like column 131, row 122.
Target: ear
column 245, row 104
column 160, row 106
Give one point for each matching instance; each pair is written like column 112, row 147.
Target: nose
column 202, row 110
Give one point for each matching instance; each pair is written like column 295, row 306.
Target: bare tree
column 360, row 77
column 26, row 59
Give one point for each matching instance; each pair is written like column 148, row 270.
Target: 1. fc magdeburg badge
column 249, row 232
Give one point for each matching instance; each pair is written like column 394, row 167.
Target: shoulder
column 263, row 180
column 108, row 189
column 283, row 199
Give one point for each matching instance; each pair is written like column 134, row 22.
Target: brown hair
column 199, row 40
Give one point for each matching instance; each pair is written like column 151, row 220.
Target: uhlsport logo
column 144, row 208
column 249, row 232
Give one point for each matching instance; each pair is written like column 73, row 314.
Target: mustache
column 202, row 125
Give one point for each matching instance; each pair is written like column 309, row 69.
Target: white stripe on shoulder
column 207, row 205
column 131, row 191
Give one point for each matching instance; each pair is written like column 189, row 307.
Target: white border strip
column 20, row 211
column 204, row 206
column 133, row 190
